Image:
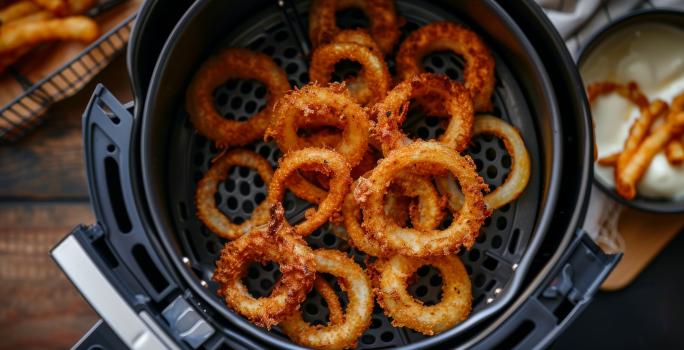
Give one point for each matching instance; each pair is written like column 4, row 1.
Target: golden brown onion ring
column 452, row 96
column 210, row 214
column 321, row 160
column 228, row 65
column 326, row 138
column 424, row 158
column 354, row 281
column 357, row 36
column 384, row 23
column 627, row 177
column 373, row 81
column 449, row 36
column 296, row 261
column 335, row 312
column 426, row 215
column 316, row 105
column 517, row 178
column 390, row 281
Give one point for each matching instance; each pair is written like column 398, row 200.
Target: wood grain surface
column 43, row 195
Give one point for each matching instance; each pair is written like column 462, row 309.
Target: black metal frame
column 28, row 110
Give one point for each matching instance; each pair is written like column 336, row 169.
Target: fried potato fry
column 26, row 34
column 674, row 151
column 609, row 160
column 17, row 10
column 629, row 172
column 33, row 17
column 641, row 127
column 58, row 7
column 79, row 7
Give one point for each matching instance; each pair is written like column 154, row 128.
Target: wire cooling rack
column 28, row 110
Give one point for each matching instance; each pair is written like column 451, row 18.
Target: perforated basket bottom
column 500, row 245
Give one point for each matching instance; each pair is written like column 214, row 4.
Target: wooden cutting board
column 645, row 235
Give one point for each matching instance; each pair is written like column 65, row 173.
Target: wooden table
column 43, row 195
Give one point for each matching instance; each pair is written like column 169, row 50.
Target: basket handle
column 108, row 129
column 563, row 295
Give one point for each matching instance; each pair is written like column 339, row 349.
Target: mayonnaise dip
column 653, row 56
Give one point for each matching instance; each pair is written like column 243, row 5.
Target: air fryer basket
column 510, row 236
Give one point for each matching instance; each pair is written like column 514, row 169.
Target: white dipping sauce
column 653, row 56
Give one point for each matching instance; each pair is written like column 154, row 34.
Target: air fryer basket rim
column 146, row 138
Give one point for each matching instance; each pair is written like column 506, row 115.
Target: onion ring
column 357, row 36
column 627, row 177
column 210, row 214
column 390, row 281
column 427, row 215
column 313, row 159
column 424, row 158
column 227, row 65
column 454, row 98
column 374, row 79
column 355, row 282
column 443, row 36
column 316, row 105
column 384, row 23
column 278, row 244
column 330, row 139
column 517, row 177
column 335, row 312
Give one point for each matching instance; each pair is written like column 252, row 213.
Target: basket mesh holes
column 238, row 99
column 426, row 286
column 345, row 70
column 260, row 278
column 444, row 62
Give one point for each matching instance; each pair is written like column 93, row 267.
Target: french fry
column 32, row 33
column 79, row 7
column 17, row 10
column 609, row 160
column 631, row 169
column 58, row 7
column 34, row 17
column 674, row 151
column 629, row 91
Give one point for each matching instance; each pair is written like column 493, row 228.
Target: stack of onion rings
column 384, row 23
column 227, row 65
column 312, row 159
column 317, row 105
column 331, row 134
column 428, row 158
column 443, row 36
